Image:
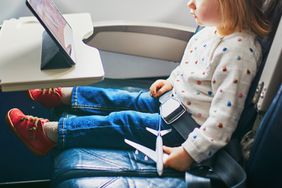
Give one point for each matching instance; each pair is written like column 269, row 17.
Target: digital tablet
column 55, row 25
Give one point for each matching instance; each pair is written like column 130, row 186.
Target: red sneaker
column 49, row 98
column 29, row 130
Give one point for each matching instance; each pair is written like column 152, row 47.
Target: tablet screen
column 53, row 21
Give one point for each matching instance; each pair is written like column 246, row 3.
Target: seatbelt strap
column 222, row 165
column 229, row 171
column 185, row 125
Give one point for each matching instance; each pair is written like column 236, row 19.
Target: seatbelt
column 219, row 171
column 224, row 172
column 221, row 167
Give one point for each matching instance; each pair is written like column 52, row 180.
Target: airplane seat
column 249, row 113
column 264, row 164
column 96, row 167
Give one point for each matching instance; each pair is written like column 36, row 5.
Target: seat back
column 249, row 113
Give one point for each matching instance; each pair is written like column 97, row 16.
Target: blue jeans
column 110, row 116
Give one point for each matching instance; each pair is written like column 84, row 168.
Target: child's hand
column 159, row 87
column 178, row 158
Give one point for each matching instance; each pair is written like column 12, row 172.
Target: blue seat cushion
column 122, row 182
column 85, row 167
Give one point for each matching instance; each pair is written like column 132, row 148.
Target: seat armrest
column 154, row 40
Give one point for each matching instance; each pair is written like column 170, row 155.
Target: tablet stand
column 51, row 55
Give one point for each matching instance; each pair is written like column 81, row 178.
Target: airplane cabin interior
column 126, row 45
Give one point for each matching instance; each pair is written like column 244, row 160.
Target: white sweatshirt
column 212, row 81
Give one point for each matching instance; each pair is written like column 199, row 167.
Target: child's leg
column 102, row 101
column 110, row 131
column 95, row 100
column 88, row 131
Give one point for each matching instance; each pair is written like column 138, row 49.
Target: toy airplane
column 158, row 156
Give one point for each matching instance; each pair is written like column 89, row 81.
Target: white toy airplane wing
column 147, row 151
column 155, row 132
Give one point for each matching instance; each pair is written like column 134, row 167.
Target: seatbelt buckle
column 164, row 97
column 171, row 110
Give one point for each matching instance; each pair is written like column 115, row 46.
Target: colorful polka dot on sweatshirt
column 220, row 125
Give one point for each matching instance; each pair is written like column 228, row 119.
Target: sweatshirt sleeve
column 174, row 74
column 230, row 84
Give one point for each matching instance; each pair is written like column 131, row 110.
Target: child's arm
column 178, row 158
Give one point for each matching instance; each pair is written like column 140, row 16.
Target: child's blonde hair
column 241, row 15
